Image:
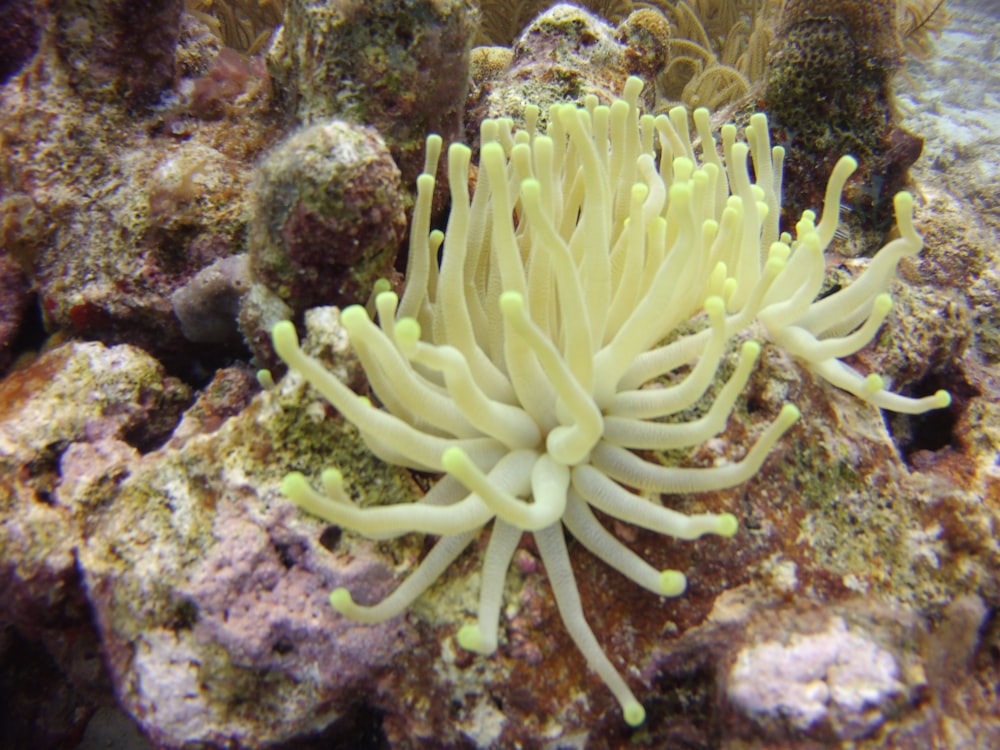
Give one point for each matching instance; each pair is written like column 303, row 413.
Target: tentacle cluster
column 518, row 361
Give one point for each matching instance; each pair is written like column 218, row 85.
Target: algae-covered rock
column 73, row 424
column 566, row 54
column 327, row 220
column 400, row 67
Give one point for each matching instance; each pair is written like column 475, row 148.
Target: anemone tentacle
column 547, row 346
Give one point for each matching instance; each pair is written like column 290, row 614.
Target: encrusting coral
column 566, row 54
column 400, row 67
column 530, row 366
column 828, row 91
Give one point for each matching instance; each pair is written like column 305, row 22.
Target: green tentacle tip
column 333, row 483
column 942, row 399
column 728, row 525
column 454, row 460
column 672, row 582
column 340, row 600
column 511, row 302
column 750, row 349
column 408, row 335
column 265, row 379
column 873, row 383
column 353, row 316
column 470, row 637
column 294, row 485
column 284, row 338
column 789, row 414
column 634, row 713
column 715, row 305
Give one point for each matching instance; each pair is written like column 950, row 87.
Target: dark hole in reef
column 987, row 658
column 31, row 334
column 404, row 37
column 330, row 538
column 184, row 616
column 146, row 438
column 683, row 712
column 41, row 707
column 360, row 728
column 285, row 554
column 283, row 646
column 934, row 430
column 42, row 472
column 753, row 404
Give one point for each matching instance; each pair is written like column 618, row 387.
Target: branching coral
column 518, row 368
column 718, row 49
column 919, row 20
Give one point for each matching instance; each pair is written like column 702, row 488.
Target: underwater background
column 178, row 177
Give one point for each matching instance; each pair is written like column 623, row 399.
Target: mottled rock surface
column 116, row 190
column 400, row 67
column 564, row 55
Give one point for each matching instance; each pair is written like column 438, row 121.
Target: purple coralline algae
column 835, row 678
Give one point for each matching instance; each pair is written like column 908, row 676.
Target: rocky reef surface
column 157, row 217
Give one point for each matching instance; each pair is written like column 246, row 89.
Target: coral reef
column 114, row 193
column 71, row 423
column 542, row 334
column 503, row 21
column 153, row 574
column 566, row 54
column 719, row 46
column 399, row 67
column 718, row 50
column 328, row 217
column 828, row 92
column 157, row 106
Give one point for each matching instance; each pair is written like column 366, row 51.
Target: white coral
column 516, row 367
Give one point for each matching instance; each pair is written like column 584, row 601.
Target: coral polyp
column 583, row 303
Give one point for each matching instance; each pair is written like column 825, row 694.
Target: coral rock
column 827, row 93
column 72, row 425
column 119, row 50
column 567, row 53
column 328, row 218
column 109, row 208
column 872, row 24
column 401, row 67
column 835, row 677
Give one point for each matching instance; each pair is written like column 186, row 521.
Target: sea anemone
column 591, row 261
